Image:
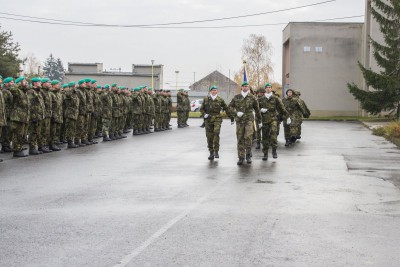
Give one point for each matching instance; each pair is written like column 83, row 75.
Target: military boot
column 19, row 154
column 34, row 151
column 274, row 154
column 287, row 142
column 54, row 147
column 45, row 149
column 258, row 146
column 6, row 149
column 240, row 161
column 203, row 125
column 106, row 138
column 180, row 126
column 216, row 155
column 86, row 142
column 135, row 132
column 265, row 156
column 80, row 144
column 72, row 145
column 293, row 139
column 211, row 157
column 248, row 159
column 93, row 142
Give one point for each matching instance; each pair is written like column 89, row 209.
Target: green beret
column 54, row 82
column 267, row 85
column 93, row 81
column 71, row 84
column 214, row 87
column 87, row 80
column 98, row 86
column 65, row 85
column 113, row 85
column 44, row 80
column 245, row 83
column 150, row 88
column 181, row 89
column 107, row 86
column 137, row 89
column 81, row 81
column 18, row 80
column 35, row 79
column 8, row 79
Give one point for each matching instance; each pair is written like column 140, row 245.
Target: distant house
column 226, row 87
column 140, row 74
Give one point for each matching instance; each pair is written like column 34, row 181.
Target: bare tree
column 257, row 52
column 32, row 66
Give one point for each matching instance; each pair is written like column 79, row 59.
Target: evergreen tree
column 53, row 68
column 9, row 62
column 385, row 84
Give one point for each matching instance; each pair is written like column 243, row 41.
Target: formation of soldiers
column 182, row 107
column 256, row 113
column 45, row 113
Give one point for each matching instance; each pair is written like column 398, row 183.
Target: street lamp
column 177, row 72
column 152, row 74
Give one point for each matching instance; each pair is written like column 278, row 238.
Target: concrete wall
column 88, row 68
column 322, row 75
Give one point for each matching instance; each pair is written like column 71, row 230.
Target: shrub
column 393, row 130
column 379, row 131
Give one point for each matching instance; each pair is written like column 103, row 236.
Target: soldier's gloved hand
column 263, row 110
column 259, row 125
column 240, row 114
column 288, row 121
column 206, row 116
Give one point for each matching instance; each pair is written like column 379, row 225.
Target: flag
column 244, row 73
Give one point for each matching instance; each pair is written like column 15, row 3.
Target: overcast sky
column 188, row 50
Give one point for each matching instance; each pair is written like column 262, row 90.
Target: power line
column 89, row 24
column 201, row 27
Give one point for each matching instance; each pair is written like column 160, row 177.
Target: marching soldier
column 296, row 111
column 243, row 105
column 270, row 107
column 211, row 111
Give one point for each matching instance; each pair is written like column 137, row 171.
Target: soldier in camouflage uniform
column 88, row 140
column 170, row 107
column 243, row 105
column 186, row 107
column 71, row 114
column 44, row 139
column 93, row 120
column 99, row 95
column 80, row 138
column 157, row 110
column 106, row 111
column 211, row 112
column 180, row 108
column 56, row 115
column 3, row 120
column 8, row 101
column 270, row 107
column 37, row 114
column 136, row 111
column 306, row 113
column 296, row 111
column 116, row 114
column 260, row 94
column 19, row 115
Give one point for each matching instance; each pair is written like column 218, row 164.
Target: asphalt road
column 332, row 199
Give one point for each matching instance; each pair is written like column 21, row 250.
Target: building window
column 307, row 49
column 318, row 49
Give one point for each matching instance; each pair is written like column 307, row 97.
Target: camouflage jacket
column 214, row 107
column 82, row 101
column 136, row 103
column 180, row 102
column 106, row 106
column 294, row 107
column 72, row 105
column 57, row 106
column 3, row 120
column 8, row 99
column 164, row 104
column 125, row 107
column 20, row 108
column 274, row 108
column 247, row 105
column 47, row 102
column 148, row 107
column 36, row 105
column 96, row 104
column 89, row 99
column 116, row 105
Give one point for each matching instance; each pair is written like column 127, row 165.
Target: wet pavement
column 332, row 199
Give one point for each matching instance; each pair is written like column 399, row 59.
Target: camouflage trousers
column 55, row 132
column 186, row 116
column 35, row 132
column 99, row 124
column 244, row 135
column 45, row 136
column 114, row 125
column 292, row 129
column 92, row 127
column 269, row 137
column 258, row 134
column 18, row 130
column 80, row 128
column 213, row 128
column 106, row 126
column 136, row 122
column 181, row 117
column 158, row 120
column 70, row 129
column 88, row 125
column 6, row 136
